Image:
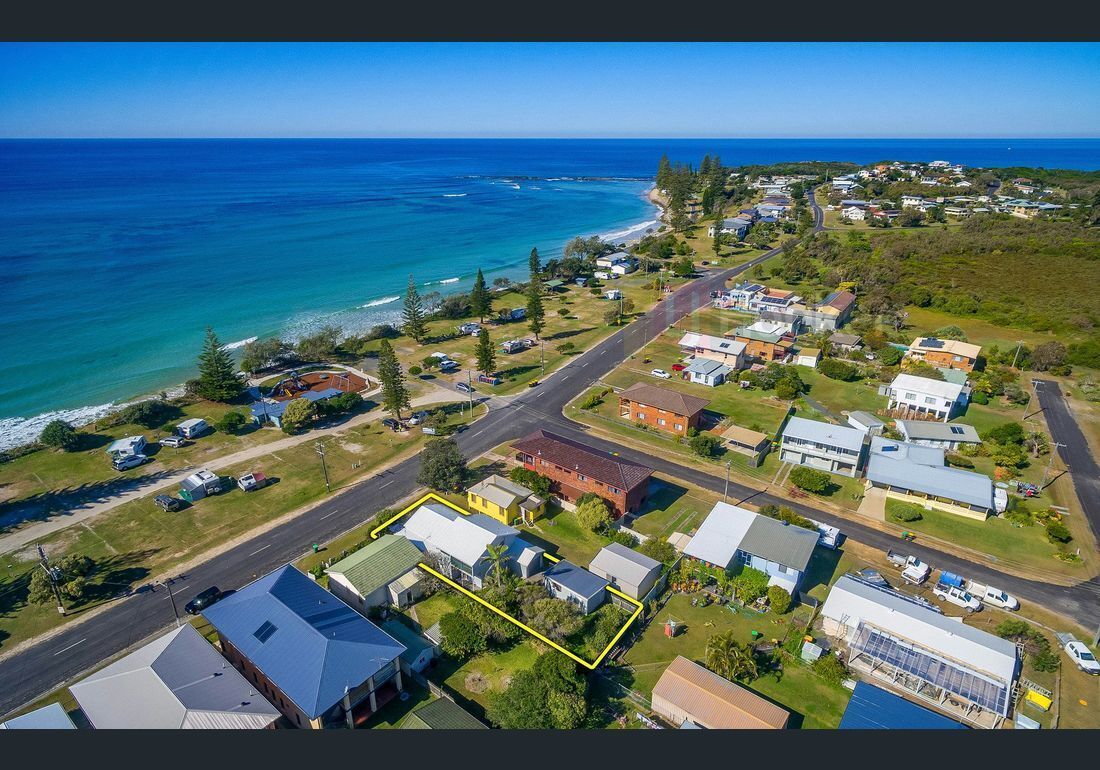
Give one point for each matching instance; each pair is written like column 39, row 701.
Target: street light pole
column 1050, row 465
column 1019, row 344
column 542, row 354
column 51, row 573
column 1030, row 395
column 167, row 583
column 320, row 449
column 725, row 492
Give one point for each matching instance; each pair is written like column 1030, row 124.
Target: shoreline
column 18, row 431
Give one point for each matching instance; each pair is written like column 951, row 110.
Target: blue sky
column 549, row 90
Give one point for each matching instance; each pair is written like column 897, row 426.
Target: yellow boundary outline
column 433, row 497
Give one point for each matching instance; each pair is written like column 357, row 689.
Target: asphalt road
column 1075, row 452
column 45, row 666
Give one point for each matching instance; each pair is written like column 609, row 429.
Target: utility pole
column 53, row 573
column 470, row 382
column 725, row 492
column 1035, row 389
column 1050, row 465
column 167, row 583
column 320, row 449
column 542, row 355
column 1019, row 344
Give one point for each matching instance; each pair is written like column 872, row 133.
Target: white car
column 661, row 373
column 1082, row 657
column 127, row 462
column 957, row 596
column 417, row 418
column 173, row 441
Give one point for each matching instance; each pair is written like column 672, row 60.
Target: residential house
column 854, row 213
column 807, row 357
column 505, row 500
column 747, row 442
column 661, row 408
column 911, row 201
column 894, row 640
column 688, row 695
column 576, row 469
column 382, row 572
column 633, row 573
column 945, row 354
column 765, row 340
column 822, row 445
column 735, row 226
column 947, row 436
column 706, row 371
column 923, row 396
column 916, row 474
column 460, row 543
column 419, row 651
column 318, row 661
column 872, row 708
column 866, row 422
column 956, row 211
column 720, row 349
column 772, row 210
column 51, row 717
column 440, row 714
column 176, row 682
column 731, row 535
column 846, row 343
column 830, row 313
column 570, row 583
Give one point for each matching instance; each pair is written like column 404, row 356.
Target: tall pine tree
column 481, row 302
column 664, row 171
column 413, row 314
column 395, row 396
column 486, row 355
column 218, row 379
column 535, row 311
column 533, row 265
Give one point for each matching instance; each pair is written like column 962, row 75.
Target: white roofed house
column 908, row 647
column 911, row 201
column 633, row 573
column 949, row 436
column 822, row 445
column 735, row 226
column 732, row 535
column 462, row 542
column 923, row 396
column 917, row 474
column 720, row 349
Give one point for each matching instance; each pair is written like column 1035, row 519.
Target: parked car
column 167, row 502
column 983, row 593
column 913, row 570
column 957, row 596
column 1081, row 656
column 448, row 365
column 661, row 373
column 173, row 441
column 252, row 481
column 417, row 417
column 533, row 384
column 391, row 423
column 678, row 367
column 126, row 462
column 462, row 386
column 202, row 601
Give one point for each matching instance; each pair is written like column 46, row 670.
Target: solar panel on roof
column 264, row 632
column 957, row 430
column 932, row 342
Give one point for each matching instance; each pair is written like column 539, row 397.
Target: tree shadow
column 61, row 502
column 516, row 371
column 87, row 442
column 485, row 471
column 566, row 333
column 821, row 569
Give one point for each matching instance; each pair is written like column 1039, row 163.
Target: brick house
column 945, row 354
column 576, row 469
column 765, row 340
column 661, row 408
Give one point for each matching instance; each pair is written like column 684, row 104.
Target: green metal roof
column 441, row 714
column 554, row 284
column 414, row 642
column 744, row 331
column 379, row 563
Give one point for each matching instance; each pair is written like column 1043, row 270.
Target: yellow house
column 505, row 501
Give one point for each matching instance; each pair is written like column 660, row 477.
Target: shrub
column 787, row 389
column 298, row 414
column 750, row 585
column 958, row 461
column 661, row 550
column 565, row 348
column 536, row 482
column 1045, row 660
column 779, row 599
column 593, row 513
column 979, row 398
column 704, row 444
column 593, row 399
column 151, row 413
column 61, row 435
column 889, row 356
column 838, row 370
column 622, row 538
column 461, row 638
column 811, row 479
column 415, row 371
column 1057, row 532
column 907, row 513
column 788, row 515
column 563, row 311
column 831, row 668
column 231, row 422
column 1005, row 433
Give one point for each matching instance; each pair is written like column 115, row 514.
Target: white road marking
column 74, row 644
column 388, row 483
column 259, row 549
column 329, row 514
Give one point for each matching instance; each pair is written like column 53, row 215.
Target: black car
column 203, row 600
column 168, row 503
column 391, row 423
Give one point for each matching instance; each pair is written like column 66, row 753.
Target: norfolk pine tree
column 413, row 314
column 395, row 396
column 481, row 302
column 486, row 356
column 535, row 311
column 218, row 379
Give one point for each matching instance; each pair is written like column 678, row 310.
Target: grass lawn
column 812, row 702
column 432, row 608
column 138, row 540
column 478, row 678
column 923, row 320
column 562, row 535
column 997, row 537
column 673, row 507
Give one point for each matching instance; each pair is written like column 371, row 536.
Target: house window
column 581, row 477
column 679, row 426
column 298, row 720
column 661, row 421
column 613, row 490
column 929, row 400
column 782, row 570
column 910, row 396
column 640, row 415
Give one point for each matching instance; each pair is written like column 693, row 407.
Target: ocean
column 116, row 254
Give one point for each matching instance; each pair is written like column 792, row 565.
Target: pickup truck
column 913, row 570
column 1079, row 654
column 981, row 592
column 957, row 596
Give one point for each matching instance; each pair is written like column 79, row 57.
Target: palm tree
column 498, row 558
column 730, row 658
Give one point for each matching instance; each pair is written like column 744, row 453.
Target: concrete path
column 146, row 484
column 873, row 504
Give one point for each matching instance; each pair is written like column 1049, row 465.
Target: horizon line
column 550, row 138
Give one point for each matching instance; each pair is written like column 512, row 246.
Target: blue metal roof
column 261, row 408
column 579, row 581
column 321, row 395
column 310, row 644
column 872, row 708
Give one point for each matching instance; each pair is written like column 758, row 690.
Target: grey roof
column 437, row 527
column 500, row 490
column 707, row 367
column 780, row 542
column 938, row 431
column 178, row 681
column 305, row 640
column 414, row 643
column 578, row 580
column 51, row 717
column 624, row 563
column 907, row 472
column 730, row 528
column 824, row 433
column 901, row 450
column 867, row 419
